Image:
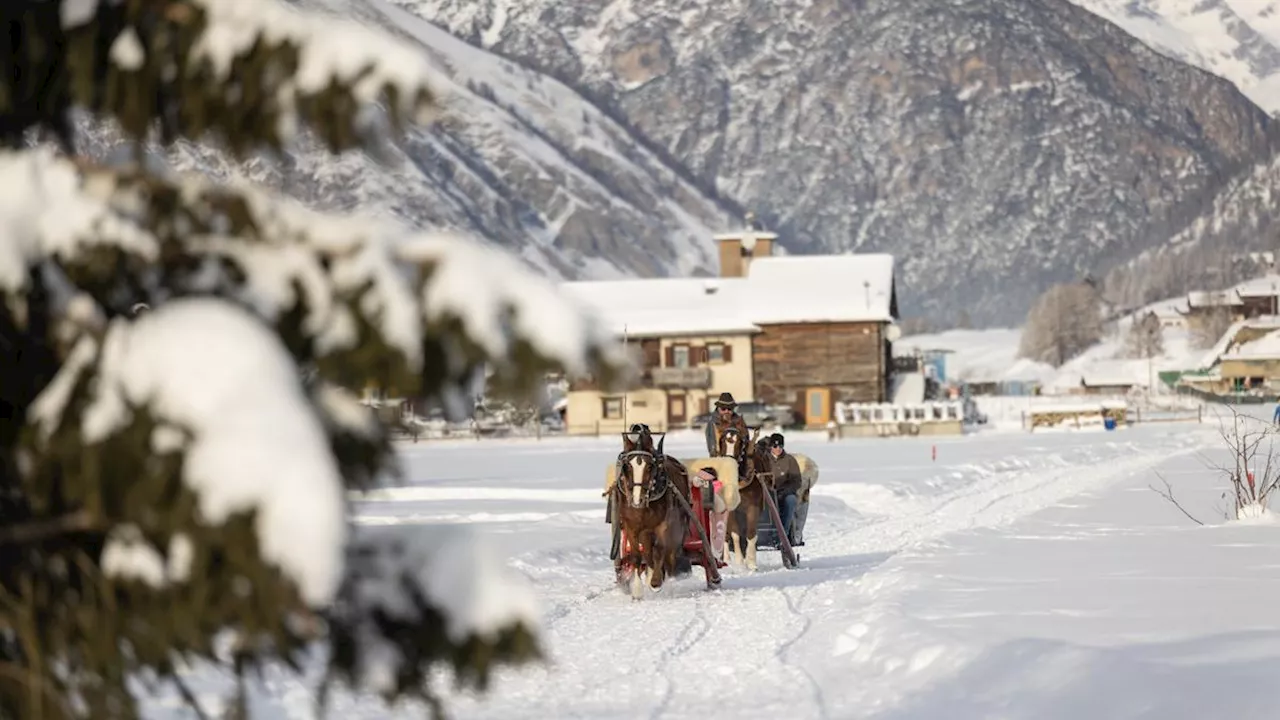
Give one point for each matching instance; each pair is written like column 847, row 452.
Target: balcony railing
column 694, row 377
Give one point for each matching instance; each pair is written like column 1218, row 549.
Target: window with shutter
column 652, row 354
column 728, row 353
column 611, row 408
column 681, row 356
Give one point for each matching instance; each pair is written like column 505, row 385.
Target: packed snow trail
column 764, row 642
column 815, row 642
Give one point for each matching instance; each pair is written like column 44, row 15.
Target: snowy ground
column 1017, row 576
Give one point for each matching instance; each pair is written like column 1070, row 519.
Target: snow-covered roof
column 1220, row 348
column 747, row 236
column 1266, row 286
column 1025, row 370
column 1101, row 373
column 822, row 288
column 793, row 289
column 1080, row 407
column 1214, row 298
column 1212, row 375
column 1266, row 347
column 668, row 306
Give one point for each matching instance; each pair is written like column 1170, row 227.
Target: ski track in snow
column 810, row 642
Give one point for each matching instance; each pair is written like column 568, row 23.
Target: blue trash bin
column 1109, row 423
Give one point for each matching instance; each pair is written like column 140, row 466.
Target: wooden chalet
column 1259, row 297
column 824, row 324
column 804, row 331
column 1251, row 299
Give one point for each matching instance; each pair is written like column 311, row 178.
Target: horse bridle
column 652, row 487
column 742, row 461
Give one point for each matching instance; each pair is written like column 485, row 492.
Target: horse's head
column 641, row 436
column 639, row 478
column 732, row 444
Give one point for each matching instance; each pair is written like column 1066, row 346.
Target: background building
column 802, row 331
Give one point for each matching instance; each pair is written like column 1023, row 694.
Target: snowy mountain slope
column 1235, row 39
column 1213, row 250
column 519, row 158
column 1009, row 142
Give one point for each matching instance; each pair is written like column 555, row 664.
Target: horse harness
column 657, row 483
column 745, row 476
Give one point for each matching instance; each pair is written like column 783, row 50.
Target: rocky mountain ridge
column 1238, row 41
column 994, row 146
column 517, row 158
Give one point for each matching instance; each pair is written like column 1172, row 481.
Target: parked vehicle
column 757, row 413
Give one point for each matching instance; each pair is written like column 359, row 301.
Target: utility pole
column 625, row 390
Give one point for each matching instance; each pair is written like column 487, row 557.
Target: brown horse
column 751, row 491
column 648, row 513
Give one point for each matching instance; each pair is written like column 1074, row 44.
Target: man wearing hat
column 786, row 482
column 724, row 418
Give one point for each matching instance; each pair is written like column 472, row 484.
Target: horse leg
column 735, row 540
column 753, row 526
column 648, row 555
column 660, row 551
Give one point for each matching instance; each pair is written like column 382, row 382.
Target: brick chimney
column 738, row 249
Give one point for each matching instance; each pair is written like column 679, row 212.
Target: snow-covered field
column 1017, row 576
column 991, row 355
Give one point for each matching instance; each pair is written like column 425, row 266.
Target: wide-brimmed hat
column 726, row 400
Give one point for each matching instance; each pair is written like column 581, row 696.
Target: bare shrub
column 1064, row 322
column 1145, row 338
column 1252, row 472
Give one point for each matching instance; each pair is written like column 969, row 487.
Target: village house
column 691, row 341
column 1097, row 377
column 802, row 331
column 826, row 331
column 1203, row 308
column 1259, row 297
column 1252, row 365
column 1170, row 317
column 1251, row 299
column 1241, row 360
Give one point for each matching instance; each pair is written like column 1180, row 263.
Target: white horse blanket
column 808, row 472
column 726, row 469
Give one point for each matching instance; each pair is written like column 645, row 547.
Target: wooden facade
column 1256, row 305
column 851, row 361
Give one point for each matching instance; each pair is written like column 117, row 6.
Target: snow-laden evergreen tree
column 173, row 483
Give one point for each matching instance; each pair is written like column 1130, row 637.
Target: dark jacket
column 734, row 420
column 786, row 474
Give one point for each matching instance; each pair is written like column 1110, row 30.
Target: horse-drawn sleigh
column 669, row 515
